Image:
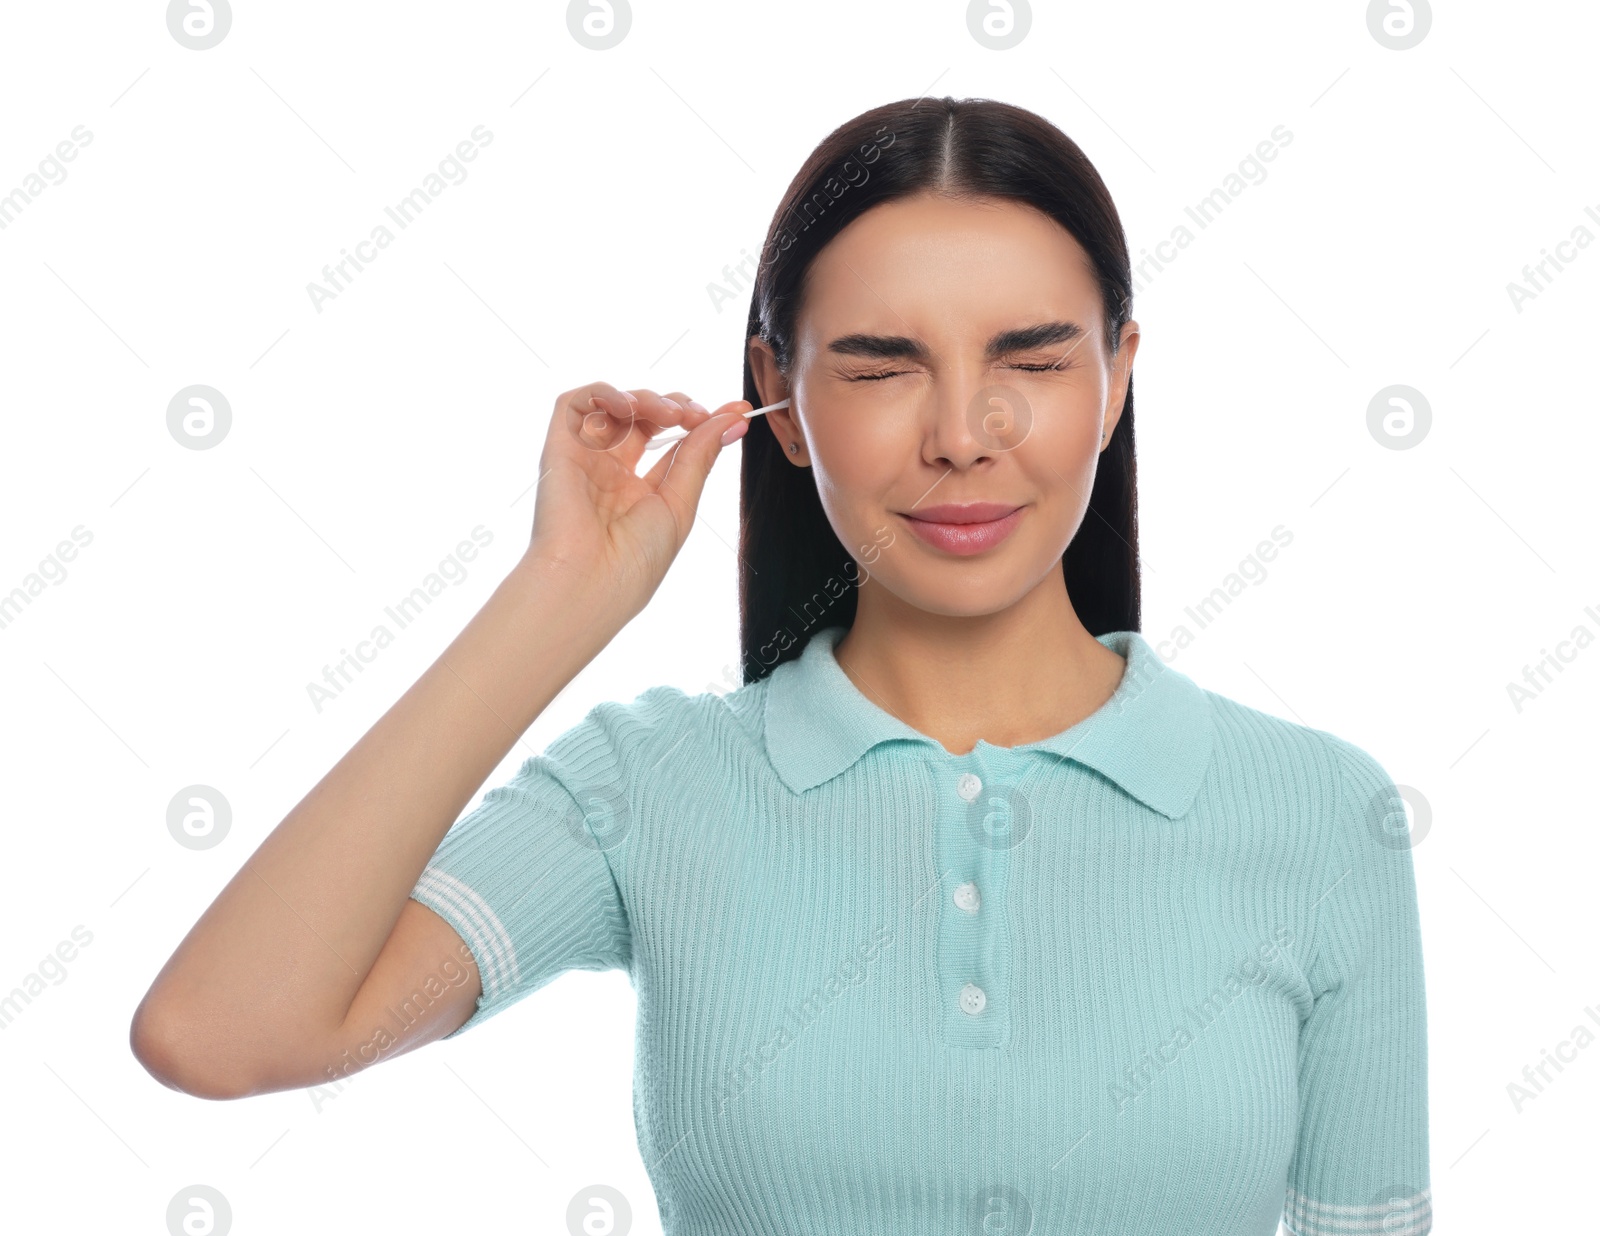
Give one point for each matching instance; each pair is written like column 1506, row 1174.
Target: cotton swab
column 678, row 433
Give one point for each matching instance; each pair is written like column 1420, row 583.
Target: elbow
column 166, row 1044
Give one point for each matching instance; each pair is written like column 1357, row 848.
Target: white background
column 372, row 436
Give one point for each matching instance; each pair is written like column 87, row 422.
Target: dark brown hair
column 795, row 576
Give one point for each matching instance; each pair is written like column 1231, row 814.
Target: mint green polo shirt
column 1157, row 975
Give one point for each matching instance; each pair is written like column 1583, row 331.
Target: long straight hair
column 795, row 577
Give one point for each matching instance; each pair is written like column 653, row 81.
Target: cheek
column 850, row 481
column 855, row 472
column 1068, row 437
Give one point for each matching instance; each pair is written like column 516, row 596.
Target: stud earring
column 794, row 448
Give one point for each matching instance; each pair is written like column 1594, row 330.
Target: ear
column 771, row 387
column 1121, row 375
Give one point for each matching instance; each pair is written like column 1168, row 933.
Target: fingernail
column 672, row 403
column 698, row 406
column 734, row 431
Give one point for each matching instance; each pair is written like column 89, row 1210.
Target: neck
column 1010, row 678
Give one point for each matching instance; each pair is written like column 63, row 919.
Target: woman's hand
column 598, row 524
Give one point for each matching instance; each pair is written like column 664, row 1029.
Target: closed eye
column 896, row 373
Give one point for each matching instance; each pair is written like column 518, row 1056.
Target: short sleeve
column 525, row 879
column 1360, row 1164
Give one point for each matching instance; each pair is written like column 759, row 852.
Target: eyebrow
column 1005, row 343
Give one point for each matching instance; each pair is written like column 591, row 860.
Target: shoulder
column 640, row 770
column 1330, row 805
column 1258, row 752
column 664, row 724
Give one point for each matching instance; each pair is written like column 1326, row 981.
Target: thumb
column 680, row 479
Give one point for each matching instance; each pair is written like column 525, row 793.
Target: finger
column 598, row 414
column 694, row 412
column 660, row 411
column 634, row 418
column 682, row 477
column 676, row 409
column 659, row 470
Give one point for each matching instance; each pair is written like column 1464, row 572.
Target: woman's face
column 947, row 354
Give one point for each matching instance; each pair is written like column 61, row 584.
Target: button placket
column 972, row 961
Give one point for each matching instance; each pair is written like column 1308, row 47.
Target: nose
column 948, row 439
column 973, row 420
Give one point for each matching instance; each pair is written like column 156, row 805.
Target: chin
column 959, row 598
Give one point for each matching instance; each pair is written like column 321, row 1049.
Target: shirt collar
column 1153, row 737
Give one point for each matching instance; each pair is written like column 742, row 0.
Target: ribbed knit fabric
column 1159, row 975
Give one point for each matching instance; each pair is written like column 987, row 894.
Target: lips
column 964, row 529
column 963, row 513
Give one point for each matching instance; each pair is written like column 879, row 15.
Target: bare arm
column 295, row 962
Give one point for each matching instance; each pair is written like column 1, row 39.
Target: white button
column 969, row 786
column 973, row 999
column 967, row 897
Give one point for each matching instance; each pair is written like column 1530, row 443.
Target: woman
column 964, row 912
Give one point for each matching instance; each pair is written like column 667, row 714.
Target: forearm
column 283, row 950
